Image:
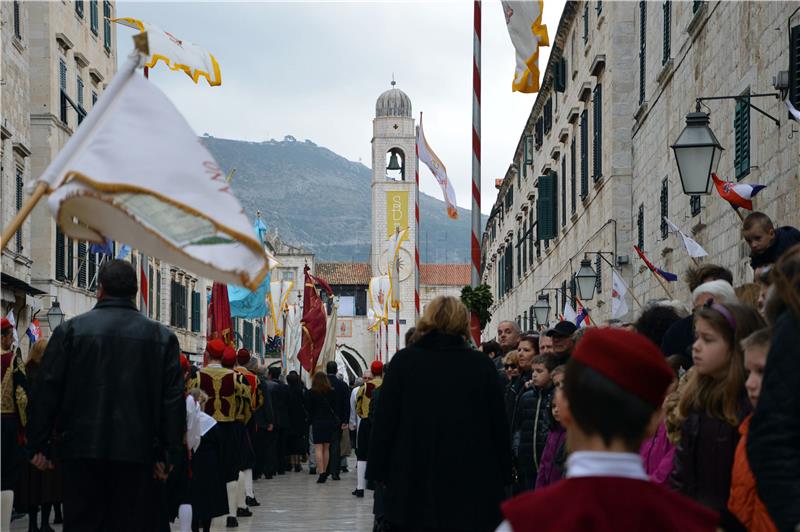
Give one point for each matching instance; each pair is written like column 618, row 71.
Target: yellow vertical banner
column 396, row 211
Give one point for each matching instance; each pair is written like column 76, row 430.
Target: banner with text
column 396, row 211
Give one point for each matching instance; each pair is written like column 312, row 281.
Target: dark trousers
column 260, row 448
column 283, row 450
column 109, row 496
column 271, row 452
column 335, row 462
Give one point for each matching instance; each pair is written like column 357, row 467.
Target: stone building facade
column 619, row 82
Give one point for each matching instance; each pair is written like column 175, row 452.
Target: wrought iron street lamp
column 541, row 309
column 697, row 153
column 587, row 280
column 55, row 316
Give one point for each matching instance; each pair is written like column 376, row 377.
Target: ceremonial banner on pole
column 136, row 172
column 378, row 295
column 328, row 352
column 278, row 297
column 396, row 211
column 293, row 334
column 314, row 324
column 619, row 307
column 176, row 53
column 438, row 170
column 219, row 311
column 524, row 21
column 392, row 252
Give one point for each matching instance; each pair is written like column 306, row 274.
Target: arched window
column 396, row 164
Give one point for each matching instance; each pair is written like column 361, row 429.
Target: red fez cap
column 5, row 324
column 229, row 357
column 628, row 359
column 376, row 368
column 215, row 348
column 184, row 362
column 243, row 356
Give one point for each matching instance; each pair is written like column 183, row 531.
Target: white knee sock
column 361, row 471
column 185, row 517
column 240, row 490
column 6, row 505
column 248, row 482
column 233, row 488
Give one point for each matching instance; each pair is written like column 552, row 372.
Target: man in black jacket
column 109, row 399
column 279, row 395
column 342, row 411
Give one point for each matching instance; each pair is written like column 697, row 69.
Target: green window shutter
column 642, row 49
column 70, row 260
column 79, row 8
column 548, row 116
column 640, row 227
column 696, row 5
column 665, row 55
column 546, row 207
column 664, row 204
column 82, row 256
column 597, row 133
column 598, row 268
column 564, row 191
column 741, row 126
column 694, row 205
column 584, row 154
column 585, row 22
column 93, row 16
column 794, row 66
column 60, row 259
column 560, row 75
column 107, row 25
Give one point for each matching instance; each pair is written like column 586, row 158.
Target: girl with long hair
column 712, row 403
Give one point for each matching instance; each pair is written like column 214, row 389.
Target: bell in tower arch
column 396, row 167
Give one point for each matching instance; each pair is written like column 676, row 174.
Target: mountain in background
column 320, row 201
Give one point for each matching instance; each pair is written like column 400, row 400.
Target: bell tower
column 394, row 188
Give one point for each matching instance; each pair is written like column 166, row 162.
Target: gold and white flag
column 177, row 54
column 378, row 294
column 524, row 21
column 437, row 168
column 135, row 172
column 278, row 297
column 393, row 251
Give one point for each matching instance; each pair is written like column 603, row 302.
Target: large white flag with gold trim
column 524, row 21
column 135, row 172
column 437, row 168
column 378, row 295
column 392, row 253
column 177, row 54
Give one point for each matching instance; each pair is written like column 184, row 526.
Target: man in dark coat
column 425, row 441
column 279, row 396
column 263, row 418
column 111, row 388
column 342, row 411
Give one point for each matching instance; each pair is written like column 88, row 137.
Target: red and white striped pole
column 476, row 161
column 416, row 230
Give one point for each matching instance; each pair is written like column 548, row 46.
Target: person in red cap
column 363, row 399
column 226, row 393
column 13, row 403
column 613, row 388
column 246, row 492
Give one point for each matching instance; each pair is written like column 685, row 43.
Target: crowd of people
column 687, row 418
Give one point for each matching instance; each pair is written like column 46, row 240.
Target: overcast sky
column 314, row 70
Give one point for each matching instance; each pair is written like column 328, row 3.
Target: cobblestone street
column 295, row 502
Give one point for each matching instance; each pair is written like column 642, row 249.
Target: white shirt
column 598, row 464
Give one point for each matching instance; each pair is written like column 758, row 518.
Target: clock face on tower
column 406, row 263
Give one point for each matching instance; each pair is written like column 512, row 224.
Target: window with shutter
column 79, row 8
column 531, row 318
column 599, row 7
column 107, row 25
column 640, row 227
column 80, row 91
column 539, row 132
column 94, row 259
column 560, row 309
column 82, row 257
column 528, row 149
column 519, row 254
column 509, row 268
column 173, row 304
column 741, row 126
column 572, row 175
column 548, row 115
column 696, row 5
column 524, row 250
column 546, row 214
column 531, row 237
column 151, row 310
column 694, row 205
column 642, row 48
column 60, row 259
column 597, row 133
column 584, row 155
column 70, row 260
column 17, row 20
column 598, row 268
column 62, row 83
column 195, row 311
column 564, row 190
column 93, row 16
column 665, row 54
column 664, row 203
column 572, row 287
column 560, row 75
column 19, row 193
column 157, row 301
column 794, row 66
column 585, row 22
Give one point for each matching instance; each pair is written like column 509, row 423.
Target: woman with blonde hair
column 426, row 431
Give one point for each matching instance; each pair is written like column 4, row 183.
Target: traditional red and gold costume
column 13, row 408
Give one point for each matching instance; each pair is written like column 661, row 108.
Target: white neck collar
column 605, row 464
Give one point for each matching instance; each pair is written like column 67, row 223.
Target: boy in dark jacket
column 767, row 244
column 533, row 420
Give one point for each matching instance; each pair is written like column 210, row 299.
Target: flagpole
column 588, row 315
column 661, row 282
column 629, row 289
column 397, row 309
column 76, row 141
column 476, row 155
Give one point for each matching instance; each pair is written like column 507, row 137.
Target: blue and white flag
column 106, row 248
column 123, row 252
column 251, row 304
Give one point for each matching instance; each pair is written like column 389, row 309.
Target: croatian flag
column 737, row 194
column 671, row 277
column 582, row 319
column 34, row 332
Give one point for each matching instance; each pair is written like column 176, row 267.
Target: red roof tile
column 344, row 273
column 444, row 274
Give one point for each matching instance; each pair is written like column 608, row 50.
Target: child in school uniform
column 614, row 385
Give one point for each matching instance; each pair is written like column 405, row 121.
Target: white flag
column 13, row 322
column 177, row 54
column 692, row 247
column 277, row 298
column 392, row 253
column 135, row 172
column 438, row 170
column 619, row 307
column 569, row 313
column 378, row 295
column 328, row 352
column 524, row 21
column 792, row 110
column 294, row 335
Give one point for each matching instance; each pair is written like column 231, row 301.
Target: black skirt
column 246, row 455
column 322, row 431
column 229, row 449
column 207, row 491
column 362, row 440
column 12, row 457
